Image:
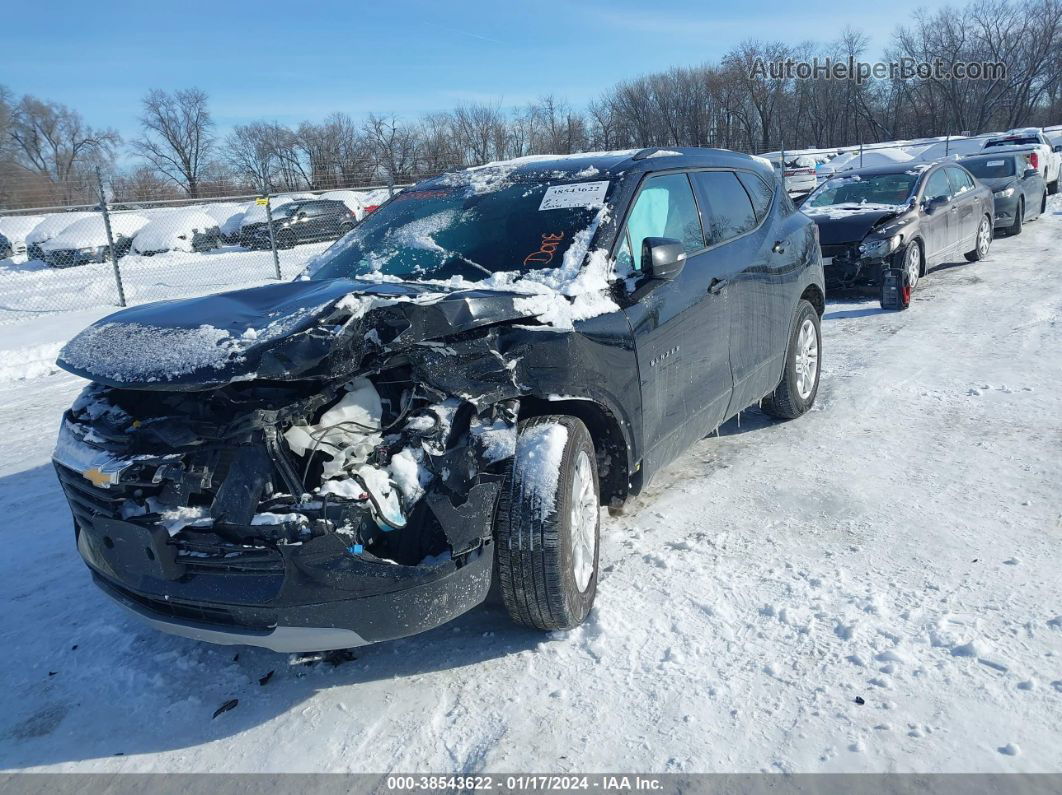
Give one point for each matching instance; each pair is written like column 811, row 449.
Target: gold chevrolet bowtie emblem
column 97, row 477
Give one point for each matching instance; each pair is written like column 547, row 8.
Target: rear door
column 937, row 225
column 681, row 327
column 740, row 247
column 966, row 207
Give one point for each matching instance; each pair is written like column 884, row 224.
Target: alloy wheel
column 912, row 263
column 984, row 237
column 807, row 359
column 584, row 518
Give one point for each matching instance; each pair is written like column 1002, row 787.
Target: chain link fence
column 114, row 254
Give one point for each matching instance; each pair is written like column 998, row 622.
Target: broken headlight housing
column 879, row 248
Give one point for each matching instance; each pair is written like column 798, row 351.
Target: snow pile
column 91, row 232
column 26, row 363
column 173, row 232
column 836, row 211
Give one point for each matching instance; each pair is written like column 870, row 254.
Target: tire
column 285, row 240
column 1052, row 187
column 984, row 241
column 794, row 395
column 546, row 572
column 1043, row 205
column 1019, row 219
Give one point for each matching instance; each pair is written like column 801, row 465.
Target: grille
column 208, row 614
column 842, row 250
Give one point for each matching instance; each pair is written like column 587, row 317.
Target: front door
column 937, row 225
column 681, row 327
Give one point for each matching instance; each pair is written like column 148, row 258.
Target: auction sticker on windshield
column 579, row 194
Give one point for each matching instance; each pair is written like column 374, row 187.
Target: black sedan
column 885, row 227
column 1019, row 189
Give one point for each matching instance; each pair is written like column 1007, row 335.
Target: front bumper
column 67, row 258
column 844, row 267
column 327, row 601
column 1006, row 210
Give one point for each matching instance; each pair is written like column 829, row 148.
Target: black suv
column 446, row 396
column 301, row 222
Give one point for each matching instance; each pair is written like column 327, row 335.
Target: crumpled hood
column 849, row 226
column 285, row 331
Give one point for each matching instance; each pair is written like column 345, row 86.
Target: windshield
column 890, row 189
column 438, row 231
column 990, row 169
column 1014, row 140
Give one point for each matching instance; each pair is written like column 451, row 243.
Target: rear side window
column 960, row 180
column 728, row 206
column 759, row 191
column 313, row 209
column 664, row 208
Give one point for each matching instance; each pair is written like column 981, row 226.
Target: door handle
column 778, row 247
column 716, row 286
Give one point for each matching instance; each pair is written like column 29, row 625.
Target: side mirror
column 934, row 204
column 1030, row 172
column 1057, row 148
column 662, row 257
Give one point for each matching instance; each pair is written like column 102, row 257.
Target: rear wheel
column 796, row 392
column 1052, row 187
column 983, row 241
column 1043, row 205
column 285, row 240
column 547, row 525
column 1019, row 219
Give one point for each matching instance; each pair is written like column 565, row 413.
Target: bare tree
column 53, row 141
column 395, row 145
column 177, row 135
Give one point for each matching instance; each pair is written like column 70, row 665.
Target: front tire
column 1052, row 187
column 796, row 392
column 983, row 241
column 1019, row 219
column 547, row 527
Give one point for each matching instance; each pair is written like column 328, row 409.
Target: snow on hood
column 52, row 225
column 852, row 208
column 91, row 232
column 173, row 231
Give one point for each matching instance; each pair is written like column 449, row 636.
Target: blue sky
column 290, row 61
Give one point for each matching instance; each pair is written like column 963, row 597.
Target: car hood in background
column 287, row 331
column 850, row 223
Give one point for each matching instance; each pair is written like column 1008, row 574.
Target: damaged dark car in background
column 446, row 397
column 883, row 228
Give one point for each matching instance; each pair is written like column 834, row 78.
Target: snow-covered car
column 16, row 228
column 952, row 148
column 885, row 227
column 800, row 175
column 371, row 200
column 445, row 398
column 869, row 158
column 85, row 241
column 351, row 198
column 178, row 230
column 1018, row 189
column 1046, row 158
column 51, row 226
column 228, row 216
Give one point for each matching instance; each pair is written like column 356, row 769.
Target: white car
column 1047, row 158
column 187, row 229
column 228, row 216
column 16, row 227
column 51, row 226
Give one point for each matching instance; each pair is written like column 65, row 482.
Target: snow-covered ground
column 873, row 587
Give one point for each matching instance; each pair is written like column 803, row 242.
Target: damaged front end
column 322, row 488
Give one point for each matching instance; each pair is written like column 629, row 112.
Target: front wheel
column 983, row 241
column 1052, row 187
column 547, row 526
column 796, row 392
column 1019, row 219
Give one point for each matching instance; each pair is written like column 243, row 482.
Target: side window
column 759, row 191
column 313, row 209
column 727, row 203
column 960, row 180
column 664, row 208
column 938, row 186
